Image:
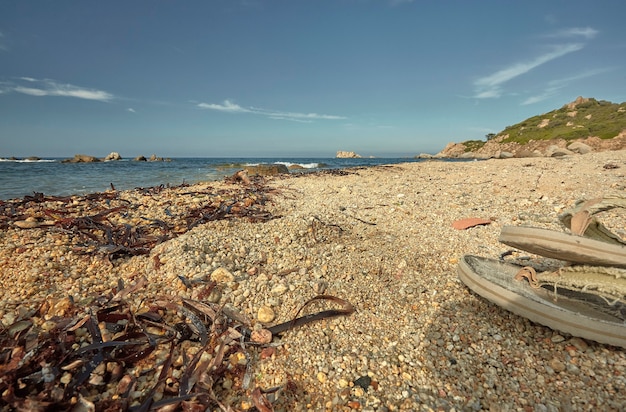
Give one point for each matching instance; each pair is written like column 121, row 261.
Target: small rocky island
column 347, row 155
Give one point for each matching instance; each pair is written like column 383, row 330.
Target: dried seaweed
column 106, row 347
column 105, row 231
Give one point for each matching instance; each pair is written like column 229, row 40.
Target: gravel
column 382, row 239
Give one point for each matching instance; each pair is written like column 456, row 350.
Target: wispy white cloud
column 47, row 87
column 547, row 93
column 575, row 32
column 571, row 40
column 554, row 86
column 290, row 119
column 230, row 107
column 226, row 106
column 490, row 86
column 130, row 109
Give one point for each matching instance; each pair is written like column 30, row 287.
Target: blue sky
column 294, row 78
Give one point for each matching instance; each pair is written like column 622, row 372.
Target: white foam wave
column 27, row 160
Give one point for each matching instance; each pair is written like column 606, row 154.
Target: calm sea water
column 53, row 178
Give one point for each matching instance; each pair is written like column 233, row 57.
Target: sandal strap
column 581, row 221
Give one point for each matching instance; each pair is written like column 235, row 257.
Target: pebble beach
column 380, row 238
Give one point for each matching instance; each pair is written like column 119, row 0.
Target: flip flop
column 550, row 299
column 590, row 242
column 564, row 246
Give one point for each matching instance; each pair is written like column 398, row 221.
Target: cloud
column 548, row 93
column 46, row 87
column 130, row 109
column 489, row 86
column 230, row 107
column 554, row 86
column 571, row 39
column 227, row 106
column 290, row 119
column 585, row 32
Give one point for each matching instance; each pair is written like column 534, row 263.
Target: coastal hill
column 584, row 125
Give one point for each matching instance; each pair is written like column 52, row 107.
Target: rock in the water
column 267, row 170
column 113, row 156
column 82, row 158
column 347, row 155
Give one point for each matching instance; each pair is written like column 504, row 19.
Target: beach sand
column 380, row 238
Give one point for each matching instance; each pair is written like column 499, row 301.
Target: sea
column 52, row 177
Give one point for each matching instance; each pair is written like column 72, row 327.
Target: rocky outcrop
column 152, row 158
column 497, row 149
column 112, row 156
column 579, row 100
column 267, row 170
column 347, row 155
column 81, row 158
column 556, row 133
column 452, row 150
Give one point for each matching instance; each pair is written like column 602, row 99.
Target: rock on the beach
column 579, row 147
column 279, row 289
column 261, row 336
column 28, row 223
column 265, row 314
column 556, row 151
column 222, row 275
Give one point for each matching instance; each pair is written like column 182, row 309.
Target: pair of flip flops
column 584, row 296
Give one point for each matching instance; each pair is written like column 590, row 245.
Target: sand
column 381, row 238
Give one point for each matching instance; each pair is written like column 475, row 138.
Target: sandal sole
column 494, row 281
column 563, row 246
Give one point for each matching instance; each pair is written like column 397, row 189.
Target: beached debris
column 110, row 224
column 469, row 222
column 125, row 351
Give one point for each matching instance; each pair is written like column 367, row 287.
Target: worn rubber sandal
column 590, row 242
column 581, row 221
column 578, row 311
column 564, row 246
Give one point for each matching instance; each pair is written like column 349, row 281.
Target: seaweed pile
column 165, row 353
column 127, row 350
column 110, row 224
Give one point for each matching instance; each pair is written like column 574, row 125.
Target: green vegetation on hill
column 588, row 118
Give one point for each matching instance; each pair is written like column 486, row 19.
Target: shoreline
column 379, row 237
